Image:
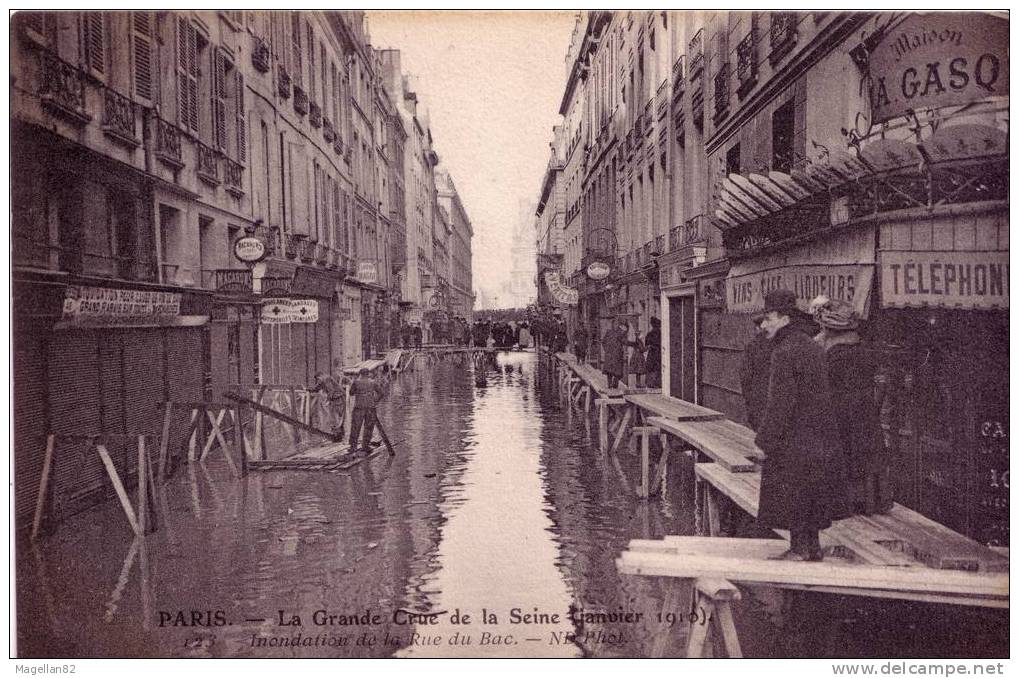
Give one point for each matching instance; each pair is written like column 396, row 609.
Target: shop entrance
column 682, row 362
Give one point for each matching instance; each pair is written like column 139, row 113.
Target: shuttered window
column 187, row 76
column 311, row 64
column 141, row 53
column 298, row 74
column 242, row 123
column 94, row 29
column 219, row 68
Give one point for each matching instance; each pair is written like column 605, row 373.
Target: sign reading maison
column 938, row 59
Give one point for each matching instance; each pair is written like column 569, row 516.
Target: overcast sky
column 492, row 82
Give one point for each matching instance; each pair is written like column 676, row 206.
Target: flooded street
column 492, row 532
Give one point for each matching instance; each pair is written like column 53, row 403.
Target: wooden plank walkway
column 672, row 408
column 731, row 455
column 900, row 537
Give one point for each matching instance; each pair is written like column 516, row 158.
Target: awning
column 839, row 267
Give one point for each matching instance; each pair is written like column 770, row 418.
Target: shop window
column 782, row 131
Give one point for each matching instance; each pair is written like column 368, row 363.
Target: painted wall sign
column 560, row 292
column 233, row 280
column 284, row 311
column 938, row 59
column 850, row 282
column 249, row 249
column 100, row 306
column 966, row 280
column 598, row 270
column 367, row 272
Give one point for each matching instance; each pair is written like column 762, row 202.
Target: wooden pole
column 44, row 482
column 142, row 485
column 118, row 486
column 164, row 442
column 239, row 438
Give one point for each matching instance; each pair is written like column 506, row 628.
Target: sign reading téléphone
column 964, row 280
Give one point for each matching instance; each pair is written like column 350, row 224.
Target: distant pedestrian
column 653, row 362
column 803, row 474
column 580, row 339
column 416, row 334
column 366, row 393
column 525, row 336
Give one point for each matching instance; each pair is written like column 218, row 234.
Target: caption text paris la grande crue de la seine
column 369, row 628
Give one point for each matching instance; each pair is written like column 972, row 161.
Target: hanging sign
column 100, row 306
column 249, row 249
column 284, row 311
column 367, row 272
column 938, row 59
column 598, row 270
column 965, row 280
column 560, row 292
column 304, row 310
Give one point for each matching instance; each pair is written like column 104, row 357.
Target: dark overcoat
column 803, row 478
column 653, row 342
column 754, row 374
column 613, row 345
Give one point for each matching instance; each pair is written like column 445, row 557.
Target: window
column 187, row 76
column 95, row 43
column 782, row 132
column 142, row 34
column 311, row 63
column 298, row 67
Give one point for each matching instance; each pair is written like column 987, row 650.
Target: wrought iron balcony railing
column 695, row 50
column 260, row 57
column 746, row 62
column 674, row 238
column 783, row 34
column 694, row 230
column 233, row 176
column 315, row 114
column 168, row 143
column 721, row 87
column 208, row 164
column 328, row 132
column 283, row 82
column 119, row 118
column 62, row 88
column 300, row 100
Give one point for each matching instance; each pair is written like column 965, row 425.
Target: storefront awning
column 839, row 267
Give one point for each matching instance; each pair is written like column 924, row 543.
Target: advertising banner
column 963, row 280
column 100, row 306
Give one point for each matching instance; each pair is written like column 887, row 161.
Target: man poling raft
column 366, row 393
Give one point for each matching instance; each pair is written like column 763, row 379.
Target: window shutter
column 337, row 233
column 95, row 42
column 311, row 63
column 298, row 74
column 219, row 99
column 242, row 123
column 187, row 75
column 141, row 41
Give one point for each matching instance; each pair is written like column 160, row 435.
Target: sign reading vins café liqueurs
column 938, row 59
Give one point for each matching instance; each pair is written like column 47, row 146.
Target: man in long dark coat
column 613, row 346
column 803, row 475
column 653, row 363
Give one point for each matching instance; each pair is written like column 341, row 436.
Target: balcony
column 648, row 117
column 168, row 146
column 315, row 115
column 233, row 175
column 679, row 77
column 694, row 230
column 321, row 254
column 260, row 57
column 328, row 132
column 721, row 87
column 659, row 246
column 291, row 245
column 695, row 50
column 272, row 239
column 62, row 89
column 338, row 146
column 305, row 249
column 119, row 119
column 208, row 164
column 783, row 34
column 282, row 82
column 746, row 62
column 300, row 100
column 675, row 238
column 662, row 100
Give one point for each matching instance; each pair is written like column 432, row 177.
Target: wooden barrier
column 141, row 515
column 202, row 414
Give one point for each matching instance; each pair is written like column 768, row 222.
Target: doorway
column 682, row 356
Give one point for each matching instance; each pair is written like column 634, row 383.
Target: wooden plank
column 728, row 455
column 118, row 486
column 723, row 615
column 164, row 441
column 621, row 432
column 44, row 484
column 745, row 569
column 743, row 494
column 276, row 414
column 142, row 490
column 673, row 408
column 717, row 589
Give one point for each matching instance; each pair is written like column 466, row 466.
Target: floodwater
column 492, row 532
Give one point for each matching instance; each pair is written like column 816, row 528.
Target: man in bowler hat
column 803, row 474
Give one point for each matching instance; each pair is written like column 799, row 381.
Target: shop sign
column 598, row 270
column 964, row 280
column 276, row 285
column 313, row 283
column 560, row 292
column 938, row 59
column 250, row 249
column 284, row 311
column 849, row 282
column 671, row 275
column 100, row 306
column 367, row 272
column 233, row 280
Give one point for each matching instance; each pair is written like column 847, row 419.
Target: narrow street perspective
column 518, row 334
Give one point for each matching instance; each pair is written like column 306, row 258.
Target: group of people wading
column 808, row 384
